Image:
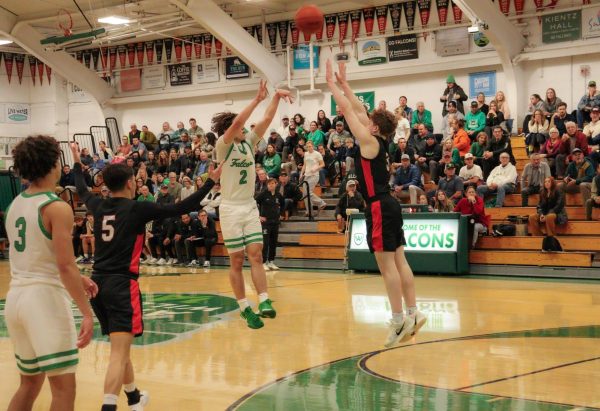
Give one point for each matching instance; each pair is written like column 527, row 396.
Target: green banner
column 367, row 98
column 560, row 27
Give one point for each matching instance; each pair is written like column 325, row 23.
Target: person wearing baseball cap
column 407, row 181
column 429, row 156
column 590, row 100
column 592, row 129
column 454, row 93
column 450, row 184
column 579, row 175
column 351, row 199
column 474, row 120
column 470, row 173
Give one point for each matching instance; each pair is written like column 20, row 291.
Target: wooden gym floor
column 489, row 344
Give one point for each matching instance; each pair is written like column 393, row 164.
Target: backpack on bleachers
column 551, row 244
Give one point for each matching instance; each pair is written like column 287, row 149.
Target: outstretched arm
column 357, row 105
column 90, row 200
column 368, row 144
column 262, row 125
column 244, row 115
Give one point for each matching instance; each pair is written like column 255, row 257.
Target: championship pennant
column 31, row 61
column 9, row 61
column 442, row 9
column 158, row 48
column 122, row 53
column 369, row 17
column 295, row 34
column 139, row 49
column 330, row 20
column 150, row 52
column 457, row 13
column 504, row 6
column 218, row 47
column 112, row 51
column 207, row 40
column 343, row 26
column 396, row 15
column 272, row 33
column 424, row 13
column 519, row 6
column 168, row 48
column 20, row 63
column 48, row 73
column 258, row 32
column 95, row 58
column 355, row 23
column 87, row 58
column 131, row 54
column 187, row 45
column 409, row 13
column 381, row 13
column 40, row 67
column 197, row 39
column 178, row 49
column 282, row 27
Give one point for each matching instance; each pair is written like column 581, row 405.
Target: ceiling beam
column 226, row 29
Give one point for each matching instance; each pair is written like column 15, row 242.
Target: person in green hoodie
column 475, row 121
column 272, row 162
column 148, row 138
column 580, row 174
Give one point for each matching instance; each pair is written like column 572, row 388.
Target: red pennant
column 457, row 13
column 319, row 33
column 150, row 52
column 369, row 17
column 381, row 13
column 355, row 16
column 48, row 73
column 553, row 4
column 208, row 38
column 295, row 33
column 330, row 20
column 587, row 2
column 131, row 54
column 140, row 53
column 104, row 59
column 343, row 25
column 40, row 67
column 228, row 51
column 504, row 6
column 218, row 47
column 442, row 9
column 31, row 60
column 178, row 49
column 424, row 12
column 197, row 39
column 112, row 62
column 9, row 60
column 306, row 37
column 20, row 62
column 187, row 45
column 122, row 53
column 519, row 6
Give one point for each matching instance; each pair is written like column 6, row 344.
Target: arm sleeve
column 463, row 95
column 152, row 211
column 91, row 201
column 560, row 203
column 582, row 102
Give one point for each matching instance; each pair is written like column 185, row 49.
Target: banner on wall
column 9, row 60
column 452, row 42
column 504, row 6
column 258, row 33
column 168, row 49
column 158, row 48
column 482, row 82
column 369, row 17
column 457, row 13
column 558, row 27
column 207, row 71
column 295, row 33
column 381, row 14
column 367, row 98
column 207, row 39
column 180, row 74
column 20, row 63
column 218, row 47
column 371, row 52
column 131, row 54
column 17, row 113
column 197, row 39
column 283, row 32
column 355, row 23
column 187, row 45
column 330, row 21
column 236, row 68
column 396, row 15
column 302, row 58
column 424, row 13
column 343, row 25
column 442, row 9
column 590, row 22
column 95, row 58
column 122, row 53
column 153, row 77
column 178, row 44
column 409, row 13
column 87, row 58
column 31, row 60
column 48, row 73
column 131, row 80
column 402, row 47
column 40, row 67
column 272, row 33
column 139, row 49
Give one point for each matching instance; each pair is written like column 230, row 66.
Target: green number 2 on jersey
column 21, row 226
column 243, row 179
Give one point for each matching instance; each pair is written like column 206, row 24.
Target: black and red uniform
column 383, row 212
column 119, row 228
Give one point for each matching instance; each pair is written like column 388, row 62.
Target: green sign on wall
column 367, row 98
column 559, row 27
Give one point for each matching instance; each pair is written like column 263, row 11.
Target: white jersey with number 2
column 239, row 173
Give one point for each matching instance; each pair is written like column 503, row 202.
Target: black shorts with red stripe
column 384, row 224
column 118, row 304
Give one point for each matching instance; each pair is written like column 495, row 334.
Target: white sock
column 398, row 317
column 129, row 387
column 243, row 303
column 110, row 399
column 263, row 297
column 411, row 311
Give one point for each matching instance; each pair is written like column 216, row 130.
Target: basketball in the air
column 309, row 19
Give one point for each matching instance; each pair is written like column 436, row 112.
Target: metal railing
column 307, row 196
column 114, row 139
column 100, row 133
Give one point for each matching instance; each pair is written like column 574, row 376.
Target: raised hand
column 75, row 152
column 285, row 95
column 262, row 92
column 329, row 72
column 341, row 74
column 215, row 173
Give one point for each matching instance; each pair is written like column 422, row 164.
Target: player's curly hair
column 35, row 157
column 385, row 120
column 221, row 122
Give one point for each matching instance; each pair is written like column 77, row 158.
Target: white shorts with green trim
column 240, row 225
column 41, row 327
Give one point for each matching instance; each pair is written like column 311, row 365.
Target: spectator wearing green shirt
column 420, row 116
column 176, row 136
column 145, row 195
column 315, row 135
column 478, row 147
column 475, row 121
column 272, row 162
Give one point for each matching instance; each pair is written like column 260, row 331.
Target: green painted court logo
column 167, row 317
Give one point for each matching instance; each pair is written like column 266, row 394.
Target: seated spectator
column 571, row 140
column 350, row 152
column 594, row 201
column 407, row 181
column 206, row 237
column 498, row 144
column 88, row 240
column 291, row 141
column 328, row 172
column 163, row 162
column 402, row 129
column 579, row 176
column 291, row 195
column 185, row 142
column 453, row 94
column 292, row 168
column 451, row 184
column 382, row 105
column 174, row 187
column 538, row 132
column 471, row 173
column 553, row 147
column 590, row 100
column 424, row 202
column 160, row 242
column 339, row 116
column 402, row 149
column 184, row 229
column 97, row 164
column 269, row 204
column 105, row 152
column 261, row 182
column 403, row 106
column 165, row 137
column 473, row 205
column 202, row 164
column 187, row 189
column 148, row 138
column 503, row 106
column 138, row 186
column 533, row 177
column 417, row 141
column 79, row 229
column 493, row 118
column 338, row 133
column 428, row 158
column 551, row 103
column 441, row 203
column 501, row 181
column 421, row 116
column 187, row 163
column 138, row 147
column 474, row 121
column 592, row 129
column 478, row 148
column 351, row 199
column 67, row 179
column 483, row 107
column 550, row 210
column 145, row 195
column 284, row 129
column 452, row 112
column 276, row 140
column 208, row 144
column 212, row 201
column 315, row 135
column 535, row 103
column 176, row 136
column 323, row 122
column 86, row 158
column 195, row 129
column 105, row 193
column 272, row 161
column 448, row 148
column 125, row 147
column 133, row 132
column 461, row 140
column 560, row 118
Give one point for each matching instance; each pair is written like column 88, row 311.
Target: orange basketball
column 309, row 19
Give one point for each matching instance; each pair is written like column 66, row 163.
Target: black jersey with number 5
column 120, row 225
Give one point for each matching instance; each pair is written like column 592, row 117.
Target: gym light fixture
column 114, row 20
column 4, row 42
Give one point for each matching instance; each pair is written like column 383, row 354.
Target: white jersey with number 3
column 239, row 173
